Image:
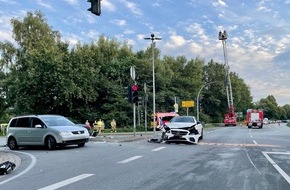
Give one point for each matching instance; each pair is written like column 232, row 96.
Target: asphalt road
column 228, row 158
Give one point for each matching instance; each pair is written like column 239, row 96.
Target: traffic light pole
column 134, row 118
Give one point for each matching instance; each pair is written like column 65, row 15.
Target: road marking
column 130, row 159
column 236, row 144
column 31, row 165
column 66, row 182
column 286, row 177
column 255, row 142
column 157, row 149
column 100, row 142
column 252, row 161
column 215, row 130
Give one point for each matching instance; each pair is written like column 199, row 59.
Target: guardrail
column 3, row 128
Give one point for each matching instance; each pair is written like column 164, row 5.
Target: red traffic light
column 134, row 87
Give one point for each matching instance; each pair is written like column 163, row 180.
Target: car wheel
column 12, row 144
column 81, row 144
column 50, row 143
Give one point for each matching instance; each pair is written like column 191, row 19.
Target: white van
column 45, row 130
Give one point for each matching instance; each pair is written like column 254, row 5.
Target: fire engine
column 255, row 117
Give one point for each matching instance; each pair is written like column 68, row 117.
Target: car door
column 36, row 132
column 22, row 130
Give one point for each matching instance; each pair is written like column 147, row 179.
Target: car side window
column 36, row 121
column 13, row 123
column 23, row 122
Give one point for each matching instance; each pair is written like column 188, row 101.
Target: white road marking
column 214, row 130
column 66, row 182
column 157, row 149
column 33, row 162
column 273, row 128
column 252, row 161
column 130, row 159
column 255, row 142
column 286, row 177
column 100, row 142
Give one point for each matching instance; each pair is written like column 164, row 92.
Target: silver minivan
column 45, row 130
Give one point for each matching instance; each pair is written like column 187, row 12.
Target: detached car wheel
column 50, row 143
column 12, row 144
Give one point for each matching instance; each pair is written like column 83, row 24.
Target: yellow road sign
column 187, row 104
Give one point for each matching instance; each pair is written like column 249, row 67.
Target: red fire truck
column 255, row 118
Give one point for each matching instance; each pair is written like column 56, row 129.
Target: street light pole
column 197, row 99
column 152, row 38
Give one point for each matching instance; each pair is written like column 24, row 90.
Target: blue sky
column 258, row 41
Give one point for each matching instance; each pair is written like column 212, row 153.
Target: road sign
column 187, row 104
column 175, row 107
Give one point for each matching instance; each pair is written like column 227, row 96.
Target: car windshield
column 181, row 119
column 56, row 121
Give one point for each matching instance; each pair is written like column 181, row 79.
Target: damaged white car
column 183, row 129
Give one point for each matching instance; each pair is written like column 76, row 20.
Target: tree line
column 41, row 74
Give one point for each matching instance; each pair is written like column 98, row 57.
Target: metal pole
column 197, row 98
column 134, row 117
column 145, row 106
column 146, row 112
column 197, row 103
column 153, row 76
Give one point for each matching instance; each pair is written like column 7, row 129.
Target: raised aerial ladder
column 230, row 117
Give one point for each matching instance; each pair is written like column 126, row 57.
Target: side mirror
column 38, row 126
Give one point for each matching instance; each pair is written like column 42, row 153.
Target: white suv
column 45, row 130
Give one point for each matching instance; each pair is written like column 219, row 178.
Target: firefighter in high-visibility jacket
column 95, row 129
column 99, row 126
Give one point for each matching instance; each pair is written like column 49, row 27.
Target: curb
column 11, row 157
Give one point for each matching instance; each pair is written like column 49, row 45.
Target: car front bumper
column 179, row 135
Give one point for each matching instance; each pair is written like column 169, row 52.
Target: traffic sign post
column 187, row 104
column 175, row 108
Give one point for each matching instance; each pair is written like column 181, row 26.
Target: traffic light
column 95, row 7
column 130, row 94
column 134, row 94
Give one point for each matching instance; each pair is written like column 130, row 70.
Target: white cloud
column 107, row 5
column 132, row 7
column 128, row 31
column 6, row 36
column 175, row 41
column 119, row 22
column 46, row 5
column 219, row 3
column 72, row 2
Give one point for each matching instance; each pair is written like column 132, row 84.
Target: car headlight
column 192, row 129
column 65, row 133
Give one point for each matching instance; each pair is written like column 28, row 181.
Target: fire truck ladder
column 223, row 36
